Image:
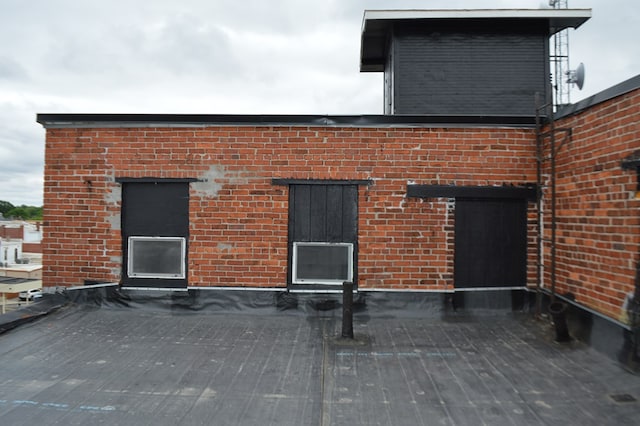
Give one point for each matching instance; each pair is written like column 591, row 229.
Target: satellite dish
column 576, row 76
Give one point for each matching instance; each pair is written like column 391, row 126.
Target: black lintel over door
column 490, row 243
column 155, row 210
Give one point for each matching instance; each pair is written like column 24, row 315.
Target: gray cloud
column 12, row 70
column 22, row 156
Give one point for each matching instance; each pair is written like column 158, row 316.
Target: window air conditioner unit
column 156, row 257
column 322, row 263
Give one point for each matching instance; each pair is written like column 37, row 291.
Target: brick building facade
column 239, row 180
column 238, row 217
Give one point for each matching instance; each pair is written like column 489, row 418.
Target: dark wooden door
column 490, row 243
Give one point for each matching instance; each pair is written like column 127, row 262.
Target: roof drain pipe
column 539, row 217
column 557, row 308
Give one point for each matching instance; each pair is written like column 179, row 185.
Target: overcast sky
column 223, row 57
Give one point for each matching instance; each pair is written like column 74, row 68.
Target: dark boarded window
column 323, row 233
column 155, row 229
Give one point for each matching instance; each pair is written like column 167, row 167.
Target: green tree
column 25, row 213
column 5, row 206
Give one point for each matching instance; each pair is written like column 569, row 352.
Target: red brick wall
column 31, row 247
column 238, row 219
column 11, row 232
column 598, row 225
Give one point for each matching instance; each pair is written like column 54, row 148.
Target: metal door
column 490, row 243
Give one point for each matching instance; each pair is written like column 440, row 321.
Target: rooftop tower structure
column 463, row 62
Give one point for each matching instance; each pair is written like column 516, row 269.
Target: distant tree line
column 9, row 211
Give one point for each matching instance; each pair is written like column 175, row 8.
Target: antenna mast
column 560, row 59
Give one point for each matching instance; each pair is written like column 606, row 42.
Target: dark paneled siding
column 469, row 70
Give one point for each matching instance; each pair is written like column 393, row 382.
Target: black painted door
column 490, row 243
column 155, row 234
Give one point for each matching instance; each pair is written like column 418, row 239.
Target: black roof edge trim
column 612, row 92
column 286, row 182
column 155, row 180
column 528, row 192
column 164, row 120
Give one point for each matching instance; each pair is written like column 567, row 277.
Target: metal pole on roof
column 347, row 310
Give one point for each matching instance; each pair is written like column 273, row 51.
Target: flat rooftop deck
column 128, row 366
